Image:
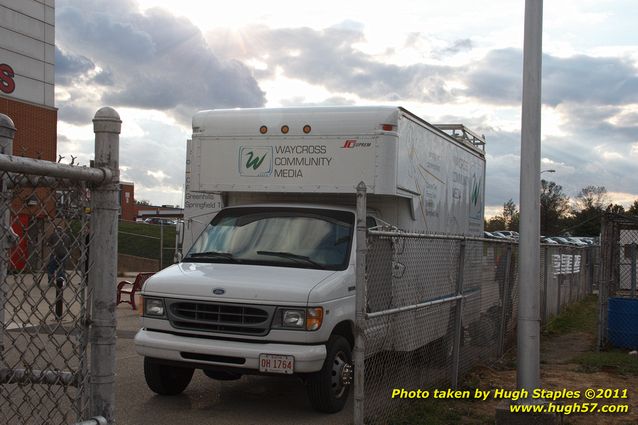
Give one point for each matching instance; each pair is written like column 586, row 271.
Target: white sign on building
column 27, row 50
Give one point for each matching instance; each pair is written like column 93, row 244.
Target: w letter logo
column 256, row 161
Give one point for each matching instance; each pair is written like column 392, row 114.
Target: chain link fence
column 436, row 306
column 57, row 283
column 153, row 242
column 618, row 298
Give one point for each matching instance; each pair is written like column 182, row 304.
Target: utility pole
column 528, row 354
column 528, row 330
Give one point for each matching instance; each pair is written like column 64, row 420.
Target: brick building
column 128, row 209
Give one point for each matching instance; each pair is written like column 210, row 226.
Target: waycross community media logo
column 476, row 204
column 255, row 161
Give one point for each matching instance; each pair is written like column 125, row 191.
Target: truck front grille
column 220, row 317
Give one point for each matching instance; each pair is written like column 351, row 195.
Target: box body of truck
column 282, row 248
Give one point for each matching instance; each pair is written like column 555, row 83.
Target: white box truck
column 266, row 284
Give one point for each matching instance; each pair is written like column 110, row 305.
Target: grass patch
column 143, row 240
column 614, row 361
column 579, row 317
column 440, row 412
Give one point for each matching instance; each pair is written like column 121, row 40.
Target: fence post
column 545, row 278
column 7, row 131
column 632, row 256
column 605, row 279
column 505, row 301
column 458, row 317
column 161, row 265
column 359, row 326
column 103, row 270
column 571, row 277
column 559, row 280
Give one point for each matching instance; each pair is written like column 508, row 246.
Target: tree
column 508, row 220
column 592, row 197
column 495, row 223
column 590, row 203
column 615, row 209
column 511, row 216
column 633, row 209
column 554, row 208
column 142, row 202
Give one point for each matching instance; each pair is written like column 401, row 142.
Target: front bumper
column 160, row 345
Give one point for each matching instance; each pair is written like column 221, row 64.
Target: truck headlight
column 309, row 319
column 154, row 307
column 293, row 318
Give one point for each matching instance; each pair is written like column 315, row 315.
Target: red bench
column 130, row 288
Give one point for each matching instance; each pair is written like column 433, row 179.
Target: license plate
column 273, row 363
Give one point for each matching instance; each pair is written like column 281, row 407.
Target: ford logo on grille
column 219, row 291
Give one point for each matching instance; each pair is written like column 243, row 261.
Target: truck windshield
column 287, row 237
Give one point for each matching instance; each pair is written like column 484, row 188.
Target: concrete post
column 103, row 270
column 528, row 354
column 7, row 132
column 528, row 331
column 359, row 348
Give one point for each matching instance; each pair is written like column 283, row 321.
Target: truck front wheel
column 166, row 380
column 328, row 389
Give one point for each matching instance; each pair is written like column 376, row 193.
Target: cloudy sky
column 159, row 61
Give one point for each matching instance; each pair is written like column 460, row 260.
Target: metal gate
column 58, row 241
column 618, row 250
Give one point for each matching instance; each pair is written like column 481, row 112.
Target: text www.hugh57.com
column 568, row 409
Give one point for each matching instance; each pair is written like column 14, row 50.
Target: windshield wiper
column 211, row 254
column 292, row 256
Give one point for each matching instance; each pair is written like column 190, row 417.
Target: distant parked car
column 491, row 235
column 548, row 241
column 576, row 241
column 510, row 234
column 585, row 239
column 160, row 220
column 564, row 241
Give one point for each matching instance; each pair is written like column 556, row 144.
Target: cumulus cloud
column 458, row 46
column 69, row 66
column 497, row 79
column 329, row 58
column 151, row 60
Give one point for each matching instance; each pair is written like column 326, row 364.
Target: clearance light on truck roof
column 285, row 129
column 306, row 129
column 263, row 129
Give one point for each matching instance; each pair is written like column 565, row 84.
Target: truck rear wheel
column 166, row 380
column 328, row 389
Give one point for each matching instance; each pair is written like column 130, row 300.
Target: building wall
column 27, row 75
column 36, row 129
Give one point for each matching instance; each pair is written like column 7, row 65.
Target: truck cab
column 281, row 277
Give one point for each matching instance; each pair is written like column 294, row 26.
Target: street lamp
column 548, row 171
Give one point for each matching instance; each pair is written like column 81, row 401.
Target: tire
column 220, row 375
column 329, row 388
column 166, row 380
